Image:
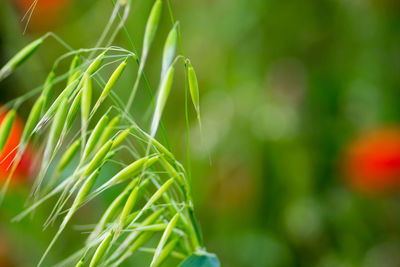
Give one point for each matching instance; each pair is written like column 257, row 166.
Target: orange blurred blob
column 45, row 15
column 10, row 150
column 5, row 260
column 372, row 162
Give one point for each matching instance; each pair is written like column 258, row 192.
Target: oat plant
column 153, row 211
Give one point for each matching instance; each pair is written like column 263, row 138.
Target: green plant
column 156, row 195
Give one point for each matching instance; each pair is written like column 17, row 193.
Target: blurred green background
column 286, row 86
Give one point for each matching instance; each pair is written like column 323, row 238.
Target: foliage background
column 285, row 88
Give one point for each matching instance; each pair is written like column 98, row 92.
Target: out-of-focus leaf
column 201, row 260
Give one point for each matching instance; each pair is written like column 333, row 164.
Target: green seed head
column 130, row 203
column 163, row 93
column 172, row 171
column 194, row 87
column 48, row 90
column 5, row 128
column 111, row 82
column 85, row 188
column 109, row 131
column 19, row 58
column 121, row 137
column 162, row 149
column 152, row 25
column 167, row 233
column 96, row 64
column 86, row 97
column 74, row 68
column 32, row 121
column 98, row 255
column 159, row 193
column 165, row 251
column 169, row 49
column 95, row 136
column 98, row 158
column 73, row 110
column 68, row 156
column 57, row 125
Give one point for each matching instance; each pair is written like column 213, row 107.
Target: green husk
column 20, row 58
column 158, row 257
column 5, row 128
column 194, row 87
column 163, row 93
column 95, row 136
column 101, row 250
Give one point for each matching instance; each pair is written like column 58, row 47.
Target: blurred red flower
column 45, row 14
column 372, row 162
column 10, row 150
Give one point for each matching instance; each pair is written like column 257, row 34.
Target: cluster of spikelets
column 155, row 200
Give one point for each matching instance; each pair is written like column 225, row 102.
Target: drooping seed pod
column 158, row 193
column 19, row 58
column 86, row 98
column 74, row 72
column 65, row 94
column 129, row 171
column 95, row 136
column 172, row 171
column 85, row 189
column 68, row 156
column 162, row 149
column 109, row 131
column 56, row 127
column 32, row 121
column 151, row 26
column 5, row 128
column 98, row 158
column 163, row 93
column 73, row 110
column 75, row 63
column 129, row 204
column 98, row 255
column 171, row 225
column 193, row 87
column 149, row 34
column 166, row 251
column 169, row 49
column 121, row 137
column 96, row 64
column 110, row 83
column 48, row 90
